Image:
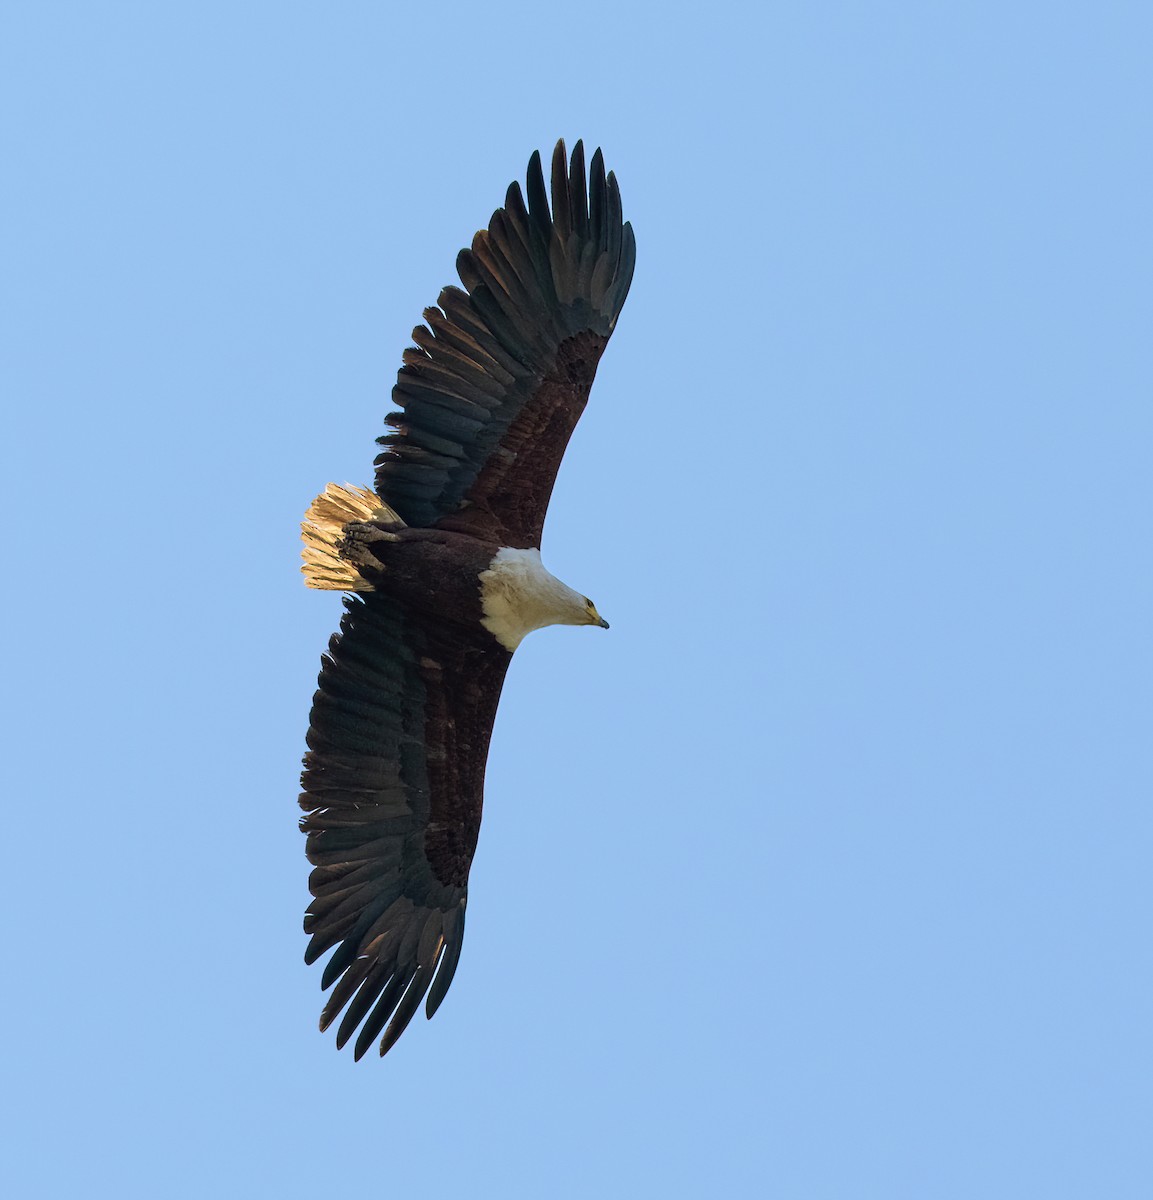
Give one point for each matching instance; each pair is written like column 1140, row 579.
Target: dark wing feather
column 497, row 380
column 392, row 784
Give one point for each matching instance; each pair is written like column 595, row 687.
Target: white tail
column 323, row 528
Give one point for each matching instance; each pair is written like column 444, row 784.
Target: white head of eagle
column 519, row 595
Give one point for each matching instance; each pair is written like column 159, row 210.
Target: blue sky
column 825, row 873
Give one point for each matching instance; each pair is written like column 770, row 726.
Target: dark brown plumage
column 493, row 389
column 400, row 727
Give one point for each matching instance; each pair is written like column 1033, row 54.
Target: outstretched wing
column 393, row 782
column 492, row 390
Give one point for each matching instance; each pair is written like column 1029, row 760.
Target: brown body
column 434, row 573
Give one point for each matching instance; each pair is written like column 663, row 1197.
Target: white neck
column 518, row 595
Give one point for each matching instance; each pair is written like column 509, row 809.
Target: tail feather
column 323, row 528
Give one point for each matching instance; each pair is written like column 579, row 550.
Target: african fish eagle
column 442, row 563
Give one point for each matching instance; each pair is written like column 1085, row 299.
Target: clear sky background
column 826, row 872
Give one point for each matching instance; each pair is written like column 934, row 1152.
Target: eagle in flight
column 441, row 563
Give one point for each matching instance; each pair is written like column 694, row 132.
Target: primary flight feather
column 443, row 563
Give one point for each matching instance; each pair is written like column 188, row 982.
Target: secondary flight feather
column 442, row 564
